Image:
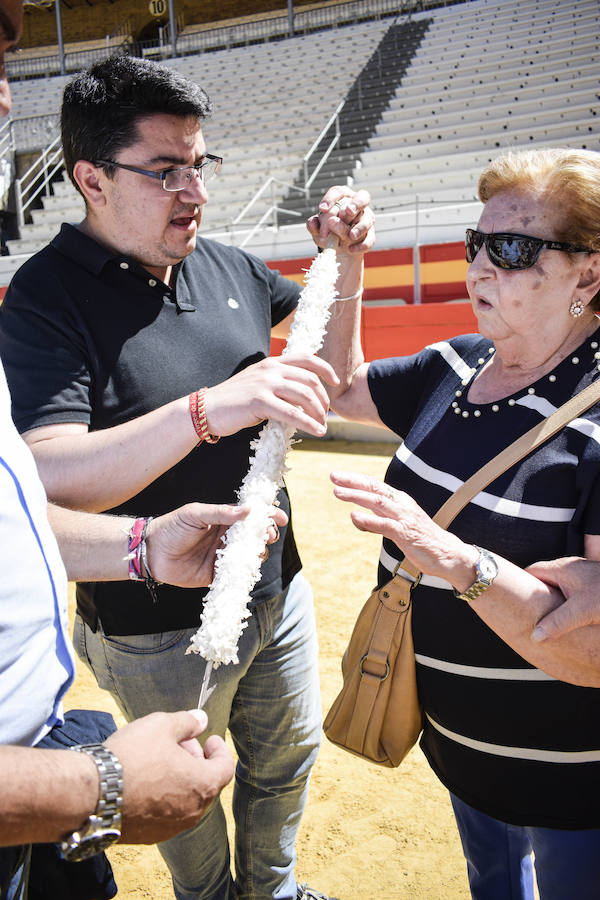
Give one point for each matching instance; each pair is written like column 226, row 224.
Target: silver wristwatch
column 103, row 827
column 486, row 569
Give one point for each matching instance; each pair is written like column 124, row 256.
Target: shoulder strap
column 528, row 442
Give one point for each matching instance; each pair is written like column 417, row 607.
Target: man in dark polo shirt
column 109, row 336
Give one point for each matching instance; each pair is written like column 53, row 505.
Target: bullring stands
column 463, row 83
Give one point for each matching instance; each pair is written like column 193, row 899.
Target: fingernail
column 200, row 715
column 538, row 634
column 323, row 205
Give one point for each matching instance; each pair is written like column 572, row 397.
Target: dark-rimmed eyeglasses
column 174, row 179
column 512, row 251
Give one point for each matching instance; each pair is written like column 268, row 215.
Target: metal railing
column 274, row 210
column 271, row 213
column 45, row 66
column 37, row 179
column 29, row 133
column 278, row 27
column 332, row 122
column 218, row 37
column 7, row 144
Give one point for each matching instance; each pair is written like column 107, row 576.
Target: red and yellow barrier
column 398, row 328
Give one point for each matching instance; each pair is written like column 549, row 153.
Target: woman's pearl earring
column 576, row 308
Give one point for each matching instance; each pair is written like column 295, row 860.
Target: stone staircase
column 64, row 204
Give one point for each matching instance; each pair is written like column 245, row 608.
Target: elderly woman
column 509, row 727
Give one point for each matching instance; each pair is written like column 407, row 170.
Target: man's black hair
column 102, row 106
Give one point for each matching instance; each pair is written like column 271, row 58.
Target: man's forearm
column 99, row 470
column 92, row 547
column 44, row 794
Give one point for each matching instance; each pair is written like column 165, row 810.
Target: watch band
column 103, row 827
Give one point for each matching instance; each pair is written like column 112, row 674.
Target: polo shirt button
column 152, row 282
column 124, row 265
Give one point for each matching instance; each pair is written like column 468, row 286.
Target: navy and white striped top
column 503, row 736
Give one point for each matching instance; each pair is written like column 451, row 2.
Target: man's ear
column 90, row 179
column 589, row 280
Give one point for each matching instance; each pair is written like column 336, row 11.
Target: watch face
column 89, row 846
column 488, row 567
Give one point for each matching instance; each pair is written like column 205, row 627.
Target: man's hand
column 182, row 545
column 579, row 581
column 287, row 389
column 348, row 215
column 168, row 780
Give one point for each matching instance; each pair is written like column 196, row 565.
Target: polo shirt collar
column 93, row 256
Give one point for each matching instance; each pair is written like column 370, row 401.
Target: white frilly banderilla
column 237, row 568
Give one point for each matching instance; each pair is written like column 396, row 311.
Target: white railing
column 334, row 119
column 37, row 178
column 272, row 212
column 7, row 144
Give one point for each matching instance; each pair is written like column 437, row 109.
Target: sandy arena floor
column 368, row 833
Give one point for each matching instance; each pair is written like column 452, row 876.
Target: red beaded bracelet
column 198, row 414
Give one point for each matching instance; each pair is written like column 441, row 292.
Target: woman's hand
column 347, row 214
column 395, row 515
column 515, row 602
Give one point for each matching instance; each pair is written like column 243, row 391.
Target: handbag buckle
column 364, row 672
column 402, row 573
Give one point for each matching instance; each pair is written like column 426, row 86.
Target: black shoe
column 304, row 892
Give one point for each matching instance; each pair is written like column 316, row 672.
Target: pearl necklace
column 495, row 407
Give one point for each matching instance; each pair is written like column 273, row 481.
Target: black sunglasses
column 512, row 251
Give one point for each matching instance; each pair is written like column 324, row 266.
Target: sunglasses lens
column 473, row 242
column 508, row 252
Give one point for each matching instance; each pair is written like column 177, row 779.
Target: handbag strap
column 512, row 454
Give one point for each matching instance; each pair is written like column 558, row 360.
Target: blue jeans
column 499, row 859
column 270, row 702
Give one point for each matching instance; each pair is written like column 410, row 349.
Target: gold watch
column 486, row 569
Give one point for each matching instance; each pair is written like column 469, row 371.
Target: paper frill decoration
column 237, row 568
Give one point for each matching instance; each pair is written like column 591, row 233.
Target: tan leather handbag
column 377, row 714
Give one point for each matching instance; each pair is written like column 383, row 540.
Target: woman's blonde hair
column 567, row 179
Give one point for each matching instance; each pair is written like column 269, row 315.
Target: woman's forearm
column 513, row 605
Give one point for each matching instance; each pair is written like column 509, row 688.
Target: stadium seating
column 430, row 98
